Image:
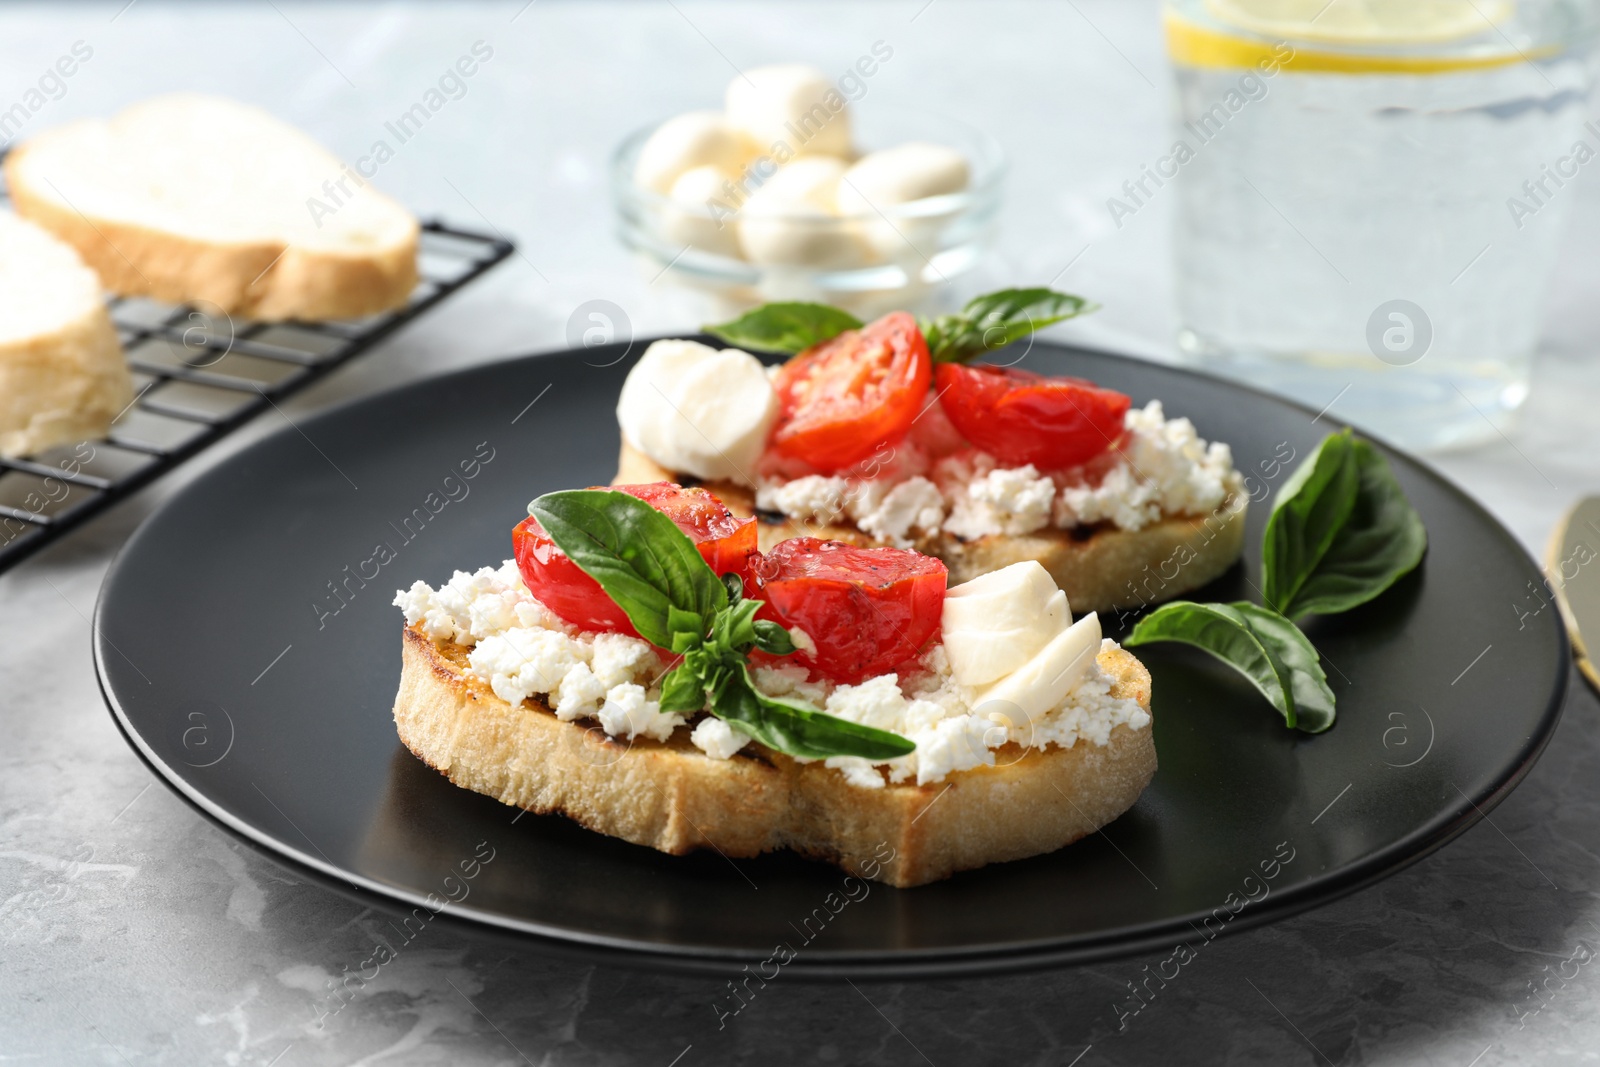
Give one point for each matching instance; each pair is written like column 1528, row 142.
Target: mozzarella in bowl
column 775, row 179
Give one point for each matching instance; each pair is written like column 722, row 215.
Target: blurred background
column 1378, row 207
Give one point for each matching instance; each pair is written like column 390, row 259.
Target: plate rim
column 874, row 964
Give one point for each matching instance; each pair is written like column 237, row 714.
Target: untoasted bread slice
column 1102, row 568
column 192, row 198
column 62, row 375
column 674, row 798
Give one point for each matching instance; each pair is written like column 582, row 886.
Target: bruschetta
column 642, row 667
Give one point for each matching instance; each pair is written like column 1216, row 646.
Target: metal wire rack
column 198, row 377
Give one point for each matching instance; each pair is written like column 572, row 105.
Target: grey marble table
column 133, row 932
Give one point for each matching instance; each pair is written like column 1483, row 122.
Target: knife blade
column 1572, row 567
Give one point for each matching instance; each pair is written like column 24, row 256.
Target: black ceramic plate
column 248, row 649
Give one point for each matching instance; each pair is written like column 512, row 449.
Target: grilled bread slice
column 62, row 375
column 672, row 797
column 190, row 198
column 1102, row 568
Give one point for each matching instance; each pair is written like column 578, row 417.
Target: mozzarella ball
column 810, row 181
column 695, row 139
column 995, row 623
column 1041, row 684
column 880, row 181
column 698, row 410
column 791, row 104
column 792, row 220
column 702, row 214
column 899, row 175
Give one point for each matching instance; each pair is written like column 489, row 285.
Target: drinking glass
column 1370, row 196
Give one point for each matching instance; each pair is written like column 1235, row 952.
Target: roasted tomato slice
column 1020, row 417
column 868, row 610
column 842, row 400
column 726, row 542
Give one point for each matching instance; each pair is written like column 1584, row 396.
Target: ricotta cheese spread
column 1162, row 468
column 1033, row 681
column 896, row 512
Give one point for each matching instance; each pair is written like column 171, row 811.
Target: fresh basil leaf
column 1313, row 699
column 787, row 327
column 735, row 586
column 734, row 630
column 685, row 622
column 682, row 691
column 793, row 728
column 699, row 661
column 1260, row 644
column 994, row 320
column 1382, row 540
column 641, row 559
column 1313, row 504
column 770, row 637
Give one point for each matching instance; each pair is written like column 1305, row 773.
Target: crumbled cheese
column 717, row 739
column 937, row 715
column 1120, row 498
column 861, row 773
column 936, row 662
column 1165, row 468
column 619, row 658
column 476, row 605
column 579, row 695
column 1091, row 714
column 1162, row 468
column 876, row 702
column 520, row 649
column 524, row 661
column 959, row 743
column 939, row 718
column 890, row 510
column 893, row 511
column 1002, row 500
column 628, row 713
column 790, row 680
column 813, row 498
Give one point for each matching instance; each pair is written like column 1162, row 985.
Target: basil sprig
column 785, row 327
column 1260, row 644
column 996, row 319
column 658, row 578
column 1314, row 566
column 986, row 323
column 1340, row 533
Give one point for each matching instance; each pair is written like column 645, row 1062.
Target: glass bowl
column 903, row 257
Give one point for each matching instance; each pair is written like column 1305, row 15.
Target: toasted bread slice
column 191, row 198
column 674, row 798
column 1102, row 568
column 62, row 375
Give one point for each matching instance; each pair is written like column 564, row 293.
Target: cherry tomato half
column 727, row 543
column 868, row 610
column 1020, row 417
column 843, row 399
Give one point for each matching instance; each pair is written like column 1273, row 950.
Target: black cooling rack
column 197, row 377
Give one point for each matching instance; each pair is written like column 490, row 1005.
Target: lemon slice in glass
column 1415, row 37
column 1366, row 22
